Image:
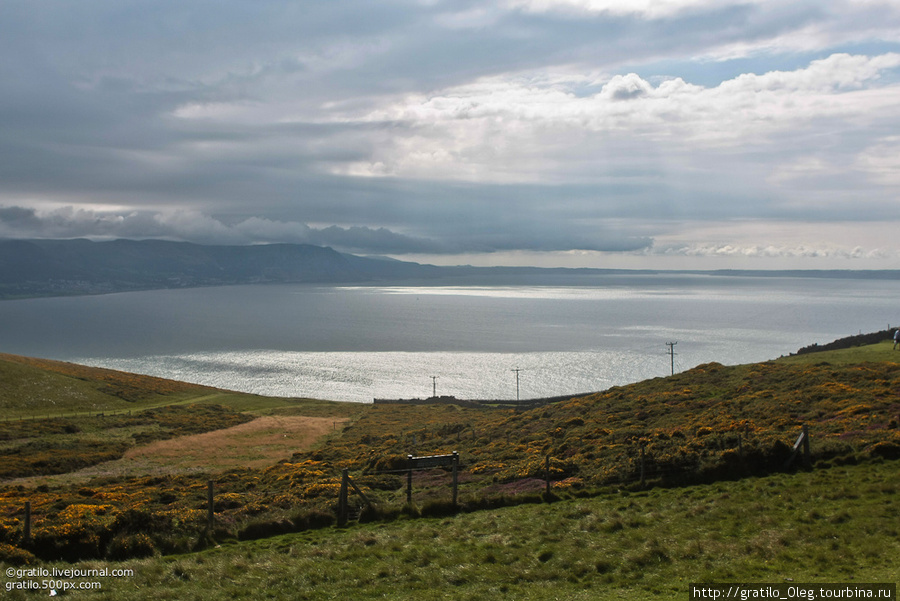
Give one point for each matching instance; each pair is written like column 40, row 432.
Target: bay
column 357, row 343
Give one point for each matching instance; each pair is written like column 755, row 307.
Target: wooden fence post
column 807, row 458
column 547, row 473
column 210, row 505
column 643, row 481
column 343, row 500
column 409, row 480
column 802, row 440
column 26, row 534
column 455, row 477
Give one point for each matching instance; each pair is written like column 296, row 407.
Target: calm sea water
column 353, row 344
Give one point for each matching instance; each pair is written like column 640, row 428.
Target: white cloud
column 519, row 129
column 804, row 167
column 882, row 161
column 188, row 224
column 848, row 244
column 194, row 226
column 647, row 8
column 770, row 251
column 818, row 24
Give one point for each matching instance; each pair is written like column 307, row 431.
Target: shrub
column 438, row 508
column 384, row 482
column 15, row 556
column 133, row 521
column 375, row 513
column 266, row 528
column 388, row 463
column 886, row 448
column 41, row 457
column 311, row 519
column 127, row 546
column 831, row 448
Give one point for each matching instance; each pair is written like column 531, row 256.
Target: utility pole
column 434, row 387
column 517, row 370
column 671, row 346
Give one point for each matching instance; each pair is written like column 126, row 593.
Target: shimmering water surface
column 356, row 343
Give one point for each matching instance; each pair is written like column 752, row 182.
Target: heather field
column 651, row 486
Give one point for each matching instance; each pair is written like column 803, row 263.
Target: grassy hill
column 710, row 422
column 39, row 387
column 620, row 460
column 42, row 388
column 835, row 525
column 61, row 417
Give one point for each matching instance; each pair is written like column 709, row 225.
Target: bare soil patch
column 258, row 443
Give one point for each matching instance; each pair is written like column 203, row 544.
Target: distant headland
column 35, row 268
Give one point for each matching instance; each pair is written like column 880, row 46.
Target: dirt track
column 259, row 443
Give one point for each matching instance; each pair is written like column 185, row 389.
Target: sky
column 745, row 134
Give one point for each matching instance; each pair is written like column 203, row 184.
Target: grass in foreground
column 834, row 525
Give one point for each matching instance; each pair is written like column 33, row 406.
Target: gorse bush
column 57, row 457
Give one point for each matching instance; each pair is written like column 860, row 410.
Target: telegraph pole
column 434, row 387
column 517, row 370
column 671, row 346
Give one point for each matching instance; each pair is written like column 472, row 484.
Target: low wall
column 506, row 403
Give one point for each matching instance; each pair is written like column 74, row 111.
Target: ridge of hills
column 35, row 268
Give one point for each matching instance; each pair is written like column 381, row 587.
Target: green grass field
column 834, row 525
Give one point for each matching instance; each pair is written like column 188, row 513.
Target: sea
column 357, row 343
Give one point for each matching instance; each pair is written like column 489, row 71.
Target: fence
column 638, row 470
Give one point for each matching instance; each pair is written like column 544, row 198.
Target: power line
column 671, row 346
column 517, row 370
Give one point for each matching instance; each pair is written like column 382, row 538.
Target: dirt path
column 259, row 443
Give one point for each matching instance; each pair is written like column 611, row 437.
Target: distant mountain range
column 30, row 268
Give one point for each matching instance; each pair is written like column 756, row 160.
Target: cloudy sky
column 607, row 133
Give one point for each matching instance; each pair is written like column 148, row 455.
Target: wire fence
column 422, row 486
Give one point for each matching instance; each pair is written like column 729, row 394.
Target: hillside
column 835, row 525
column 709, row 424
column 41, row 387
column 704, row 424
column 61, row 267
column 61, row 417
column 32, row 268
column 849, row 342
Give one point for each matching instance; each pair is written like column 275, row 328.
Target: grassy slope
column 86, row 415
column 40, row 387
column 882, row 351
column 32, row 387
column 689, row 424
column 835, row 525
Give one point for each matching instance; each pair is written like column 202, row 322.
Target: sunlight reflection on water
column 359, row 343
